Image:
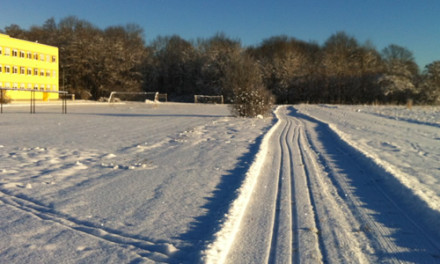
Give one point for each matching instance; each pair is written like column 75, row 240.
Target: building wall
column 28, row 65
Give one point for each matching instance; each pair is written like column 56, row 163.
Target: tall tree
column 341, row 67
column 399, row 81
column 217, row 53
column 172, row 67
column 285, row 63
column 430, row 86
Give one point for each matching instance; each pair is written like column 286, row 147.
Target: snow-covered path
column 186, row 183
column 318, row 200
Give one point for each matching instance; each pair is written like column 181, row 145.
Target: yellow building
column 26, row 65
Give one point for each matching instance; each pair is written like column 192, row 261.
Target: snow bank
column 217, row 251
column 403, row 143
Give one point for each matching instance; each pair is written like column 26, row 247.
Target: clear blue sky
column 414, row 24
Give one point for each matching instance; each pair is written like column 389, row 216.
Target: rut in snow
column 317, row 202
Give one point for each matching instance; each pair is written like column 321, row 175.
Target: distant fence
column 33, row 98
column 209, row 99
column 110, row 98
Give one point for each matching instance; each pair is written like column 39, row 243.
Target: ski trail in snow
column 217, row 251
column 385, row 238
column 308, row 199
column 146, row 249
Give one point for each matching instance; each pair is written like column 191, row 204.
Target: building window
column 1, row 69
column 35, row 56
column 42, row 57
column 7, row 69
column 36, row 87
column 22, row 86
column 35, row 71
column 15, row 70
column 54, row 74
column 54, row 58
column 14, row 53
column 42, row 73
column 29, row 55
column 47, row 73
column 22, row 70
column 29, row 71
column 15, row 85
column 54, row 87
column 1, row 50
column 7, row 51
column 42, row 87
column 21, row 54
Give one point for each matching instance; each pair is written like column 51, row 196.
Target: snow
column 188, row 183
column 404, row 142
column 118, row 183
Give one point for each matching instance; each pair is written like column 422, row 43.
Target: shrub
column 250, row 97
column 251, row 102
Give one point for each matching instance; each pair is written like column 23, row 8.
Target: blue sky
column 413, row 24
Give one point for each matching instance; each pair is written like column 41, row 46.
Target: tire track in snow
column 315, row 202
column 280, row 249
column 146, row 249
column 394, row 239
column 331, row 217
column 295, row 238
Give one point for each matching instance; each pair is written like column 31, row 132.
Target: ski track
column 145, row 249
column 308, row 197
column 317, row 201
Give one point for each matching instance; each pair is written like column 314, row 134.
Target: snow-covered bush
column 252, row 102
column 250, row 97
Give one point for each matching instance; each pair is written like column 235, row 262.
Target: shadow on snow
column 381, row 196
column 204, row 228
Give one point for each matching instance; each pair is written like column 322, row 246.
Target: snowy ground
column 184, row 183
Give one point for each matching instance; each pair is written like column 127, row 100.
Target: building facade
column 26, row 65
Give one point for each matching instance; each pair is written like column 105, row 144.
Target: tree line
column 94, row 62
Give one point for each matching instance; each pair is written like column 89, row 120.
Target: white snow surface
column 119, row 183
column 188, row 183
column 404, row 142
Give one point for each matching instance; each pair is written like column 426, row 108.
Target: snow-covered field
column 185, row 183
